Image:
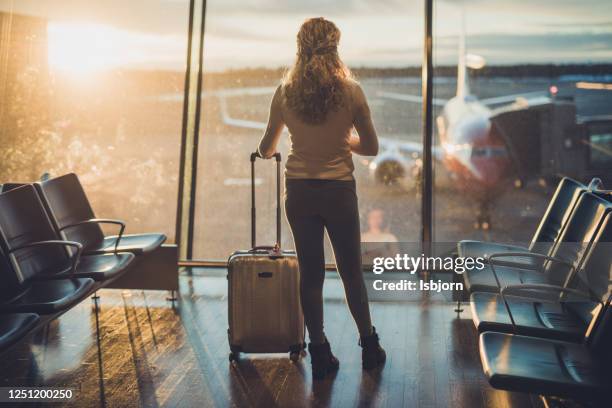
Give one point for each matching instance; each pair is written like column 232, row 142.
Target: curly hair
column 316, row 84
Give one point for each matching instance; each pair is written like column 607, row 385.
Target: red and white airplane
column 471, row 147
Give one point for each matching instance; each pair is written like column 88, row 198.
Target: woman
column 320, row 104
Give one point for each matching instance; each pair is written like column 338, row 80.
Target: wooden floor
column 149, row 354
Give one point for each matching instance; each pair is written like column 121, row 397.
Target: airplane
column 472, row 148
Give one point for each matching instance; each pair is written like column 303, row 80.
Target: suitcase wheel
column 295, row 356
column 233, row 356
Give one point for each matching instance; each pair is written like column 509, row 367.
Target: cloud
column 161, row 16
column 545, row 8
column 232, row 32
column 375, row 33
column 530, row 48
column 581, row 26
column 316, row 7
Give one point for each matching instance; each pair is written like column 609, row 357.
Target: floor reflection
column 139, row 351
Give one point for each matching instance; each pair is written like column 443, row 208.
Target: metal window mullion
column 196, row 136
column 190, row 131
column 184, row 130
column 427, row 136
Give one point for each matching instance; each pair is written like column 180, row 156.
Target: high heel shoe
column 322, row 359
column 372, row 354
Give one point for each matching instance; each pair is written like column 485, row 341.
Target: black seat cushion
column 541, row 366
column 104, row 267
column 101, row 267
column 53, row 296
column 537, row 318
column 13, row 327
column 137, row 244
column 483, row 280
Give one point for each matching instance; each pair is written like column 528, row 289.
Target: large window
column 247, row 47
column 519, row 98
column 96, row 88
column 522, row 97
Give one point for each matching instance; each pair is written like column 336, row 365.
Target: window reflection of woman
column 320, row 104
column 378, row 239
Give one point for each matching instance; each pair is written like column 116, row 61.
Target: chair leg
column 100, row 361
column 96, row 303
column 173, row 298
column 458, row 294
column 459, row 308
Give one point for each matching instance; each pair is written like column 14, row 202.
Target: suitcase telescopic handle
column 254, row 157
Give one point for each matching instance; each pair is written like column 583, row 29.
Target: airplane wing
column 226, row 118
column 414, row 149
column 389, row 143
column 497, row 100
column 220, row 93
column 505, row 99
column 255, row 90
column 242, row 123
column 409, row 98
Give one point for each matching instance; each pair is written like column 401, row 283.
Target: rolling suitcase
column 264, row 311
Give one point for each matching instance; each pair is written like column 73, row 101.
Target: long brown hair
column 317, row 81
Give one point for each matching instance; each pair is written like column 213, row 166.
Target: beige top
column 322, row 151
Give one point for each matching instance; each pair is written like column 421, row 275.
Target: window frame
column 191, row 135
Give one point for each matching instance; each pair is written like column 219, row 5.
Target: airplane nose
column 474, row 129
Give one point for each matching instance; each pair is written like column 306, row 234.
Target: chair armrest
column 526, row 255
column 540, row 287
column 75, row 258
column 100, row 221
column 492, row 263
column 513, row 263
column 502, row 247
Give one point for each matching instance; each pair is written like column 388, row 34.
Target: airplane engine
column 389, row 168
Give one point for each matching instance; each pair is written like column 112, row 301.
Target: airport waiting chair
column 72, row 215
column 569, row 249
column 10, row 186
column 552, row 367
column 20, row 292
column 33, row 247
column 14, row 327
column 551, row 225
column 605, row 194
column 557, row 312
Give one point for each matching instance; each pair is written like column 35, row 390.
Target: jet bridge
column 548, row 139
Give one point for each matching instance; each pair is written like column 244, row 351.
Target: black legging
column 313, row 205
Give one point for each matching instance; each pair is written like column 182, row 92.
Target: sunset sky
column 89, row 35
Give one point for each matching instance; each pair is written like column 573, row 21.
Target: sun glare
column 83, row 48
